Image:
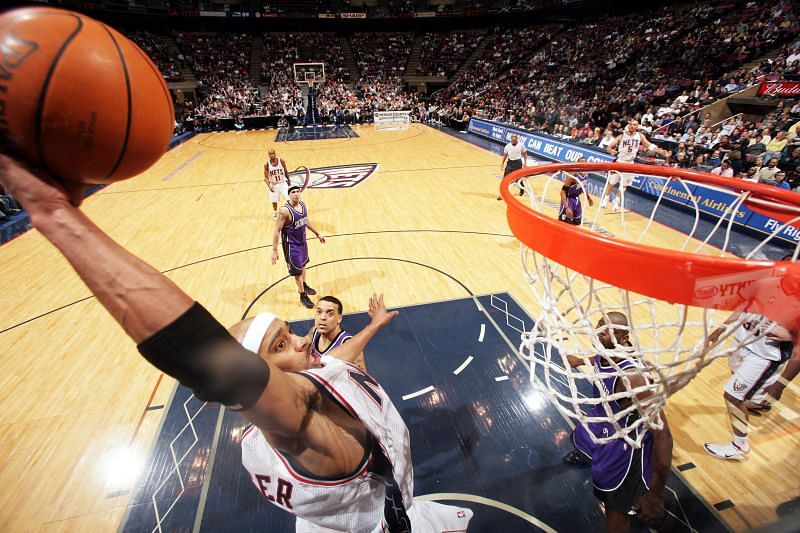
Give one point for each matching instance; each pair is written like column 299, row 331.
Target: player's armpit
column 283, row 410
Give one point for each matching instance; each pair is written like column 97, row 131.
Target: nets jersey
column 629, row 147
column 374, row 496
column 753, row 334
column 611, row 461
column 276, row 172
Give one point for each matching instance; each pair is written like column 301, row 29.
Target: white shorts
column 425, row 516
column 627, row 177
column 751, row 375
column 280, row 188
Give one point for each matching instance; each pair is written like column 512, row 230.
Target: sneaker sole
column 739, row 459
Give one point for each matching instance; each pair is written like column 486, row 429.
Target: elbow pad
column 199, row 352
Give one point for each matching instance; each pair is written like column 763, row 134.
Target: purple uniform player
column 628, row 481
column 327, row 333
column 291, row 227
column 571, row 210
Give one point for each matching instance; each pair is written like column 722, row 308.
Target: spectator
column 755, row 148
column 767, row 173
column 775, row 146
column 780, row 180
column 724, row 169
column 715, row 160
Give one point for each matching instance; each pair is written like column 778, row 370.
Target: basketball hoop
column 310, row 78
column 672, row 298
column 300, row 177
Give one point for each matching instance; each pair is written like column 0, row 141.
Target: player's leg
column 611, row 180
column 750, row 375
column 617, row 522
column 273, row 197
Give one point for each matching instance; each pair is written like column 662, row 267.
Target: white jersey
column 276, row 172
column 628, row 147
column 754, row 333
column 353, row 503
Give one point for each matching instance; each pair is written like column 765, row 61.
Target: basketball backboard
column 309, row 73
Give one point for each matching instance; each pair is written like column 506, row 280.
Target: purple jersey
column 612, row 461
column 293, row 238
column 340, row 339
column 294, row 232
column 574, row 198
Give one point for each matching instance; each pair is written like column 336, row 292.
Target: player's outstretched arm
column 352, row 349
column 283, row 216
column 172, row 332
column 139, row 297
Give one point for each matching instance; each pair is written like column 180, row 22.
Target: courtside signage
column 709, row 201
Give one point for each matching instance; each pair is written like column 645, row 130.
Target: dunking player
column 514, row 158
column 571, row 210
column 327, row 333
column 757, row 365
column 277, row 177
column 628, row 481
column 628, row 144
column 291, row 227
column 336, row 465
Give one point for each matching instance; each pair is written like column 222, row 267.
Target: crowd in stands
column 281, row 50
column 443, row 53
column 616, row 67
column 381, row 55
column 158, row 49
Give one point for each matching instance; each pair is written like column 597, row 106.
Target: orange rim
column 769, row 288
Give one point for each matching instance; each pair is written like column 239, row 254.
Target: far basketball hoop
column 309, row 73
column 664, row 302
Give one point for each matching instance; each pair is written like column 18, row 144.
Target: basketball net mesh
column 669, row 343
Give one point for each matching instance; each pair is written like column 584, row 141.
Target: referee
column 514, row 157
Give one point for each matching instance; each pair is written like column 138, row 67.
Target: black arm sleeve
column 199, row 352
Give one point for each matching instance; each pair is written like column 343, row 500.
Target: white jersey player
column 765, row 349
column 277, row 177
column 626, row 148
column 375, row 493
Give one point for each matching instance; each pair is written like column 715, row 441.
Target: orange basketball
column 78, row 99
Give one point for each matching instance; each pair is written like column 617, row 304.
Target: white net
column 610, row 358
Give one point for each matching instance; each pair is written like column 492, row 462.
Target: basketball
column 79, row 99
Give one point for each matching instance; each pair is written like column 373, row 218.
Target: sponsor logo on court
column 738, row 386
column 339, row 176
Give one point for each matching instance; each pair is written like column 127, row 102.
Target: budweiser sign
column 780, row 88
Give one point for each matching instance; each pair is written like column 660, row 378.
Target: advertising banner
column 710, row 200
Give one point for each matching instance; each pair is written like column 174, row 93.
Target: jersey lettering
column 283, row 491
column 368, row 385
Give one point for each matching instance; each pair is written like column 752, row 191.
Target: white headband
column 255, row 333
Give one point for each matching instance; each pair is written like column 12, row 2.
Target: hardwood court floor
column 74, row 417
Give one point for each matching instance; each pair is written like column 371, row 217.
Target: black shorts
column 630, row 490
column 511, row 166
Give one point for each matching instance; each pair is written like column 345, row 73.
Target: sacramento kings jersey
column 629, row 147
column 340, row 339
column 611, row 461
column 294, row 232
column 753, row 333
column 378, row 492
column 276, row 172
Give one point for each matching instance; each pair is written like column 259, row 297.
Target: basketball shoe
column 728, row 451
column 306, row 301
column 604, row 202
column 615, row 205
column 309, row 290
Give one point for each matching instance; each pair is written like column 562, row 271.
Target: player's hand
column 274, row 256
column 589, row 199
column 378, row 313
column 650, row 508
column 36, row 190
column 321, row 238
column 569, row 213
column 714, row 335
column 774, row 391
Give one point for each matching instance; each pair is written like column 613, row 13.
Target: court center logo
column 339, row 176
